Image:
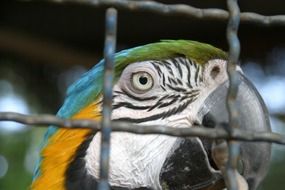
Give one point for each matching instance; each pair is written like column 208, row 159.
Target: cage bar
column 44, row 120
column 109, row 51
column 179, row 9
column 234, row 51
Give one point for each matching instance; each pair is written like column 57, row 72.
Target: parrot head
column 176, row 83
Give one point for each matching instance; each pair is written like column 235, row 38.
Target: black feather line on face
column 162, row 115
column 177, row 89
column 135, row 97
column 197, row 75
column 188, row 74
column 195, row 91
column 157, row 68
column 178, row 65
column 179, row 81
column 173, row 81
column 163, row 80
column 129, row 105
column 169, row 80
column 167, row 103
column 162, row 88
column 160, row 103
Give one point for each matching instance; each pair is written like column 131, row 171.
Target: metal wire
column 196, row 131
column 234, row 51
column 179, row 9
column 109, row 51
column 231, row 134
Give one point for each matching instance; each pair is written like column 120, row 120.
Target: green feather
column 198, row 52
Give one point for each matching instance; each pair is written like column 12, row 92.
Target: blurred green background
column 44, row 47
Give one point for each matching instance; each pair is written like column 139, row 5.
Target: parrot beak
column 195, row 153
column 253, row 116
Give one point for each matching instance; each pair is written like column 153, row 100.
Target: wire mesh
column 232, row 134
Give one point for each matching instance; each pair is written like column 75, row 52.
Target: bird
column 175, row 83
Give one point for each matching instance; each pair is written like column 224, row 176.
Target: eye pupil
column 143, row 80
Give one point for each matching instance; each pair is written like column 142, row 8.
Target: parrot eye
column 142, row 81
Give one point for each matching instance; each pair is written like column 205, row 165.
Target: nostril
column 208, row 121
column 215, row 72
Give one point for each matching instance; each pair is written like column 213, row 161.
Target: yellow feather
column 58, row 154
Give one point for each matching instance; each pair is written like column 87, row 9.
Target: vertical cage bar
column 234, row 51
column 109, row 50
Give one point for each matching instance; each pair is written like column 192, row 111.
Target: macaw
column 176, row 83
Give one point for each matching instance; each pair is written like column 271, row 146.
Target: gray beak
column 253, row 116
column 195, row 169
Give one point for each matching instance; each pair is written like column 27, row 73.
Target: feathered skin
column 60, row 146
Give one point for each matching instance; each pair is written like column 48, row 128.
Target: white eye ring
column 142, row 81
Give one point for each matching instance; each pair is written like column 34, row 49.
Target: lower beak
column 191, row 164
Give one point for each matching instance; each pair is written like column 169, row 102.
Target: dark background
column 46, row 46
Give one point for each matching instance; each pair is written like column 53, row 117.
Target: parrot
column 174, row 83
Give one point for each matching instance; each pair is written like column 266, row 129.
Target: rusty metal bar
column 230, row 173
column 179, row 9
column 196, row 131
column 109, row 53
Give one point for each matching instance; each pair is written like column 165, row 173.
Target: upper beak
column 196, row 152
column 253, row 114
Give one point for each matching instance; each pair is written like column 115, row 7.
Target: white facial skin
column 144, row 94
